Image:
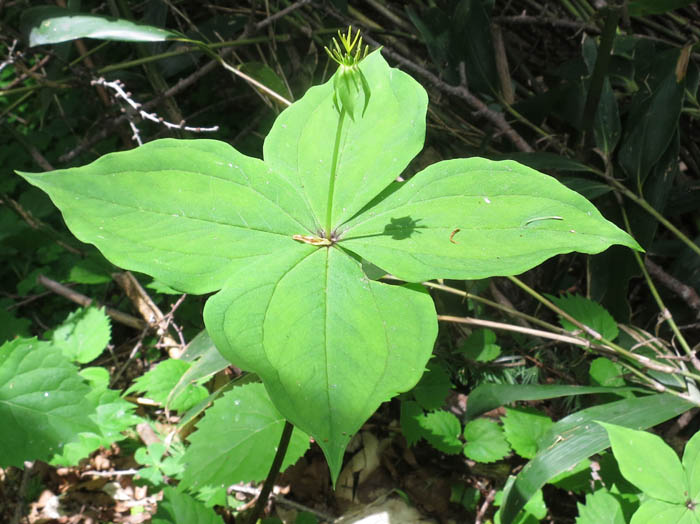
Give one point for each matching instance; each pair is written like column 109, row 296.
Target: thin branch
column 518, row 329
column 686, row 292
column 78, row 298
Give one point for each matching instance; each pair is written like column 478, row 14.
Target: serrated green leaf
column 474, row 218
column 600, row 508
column 158, row 383
column 587, row 312
column 242, row 424
column 410, row 428
column 51, row 25
column 523, row 427
column 481, row 346
column 648, row 462
column 84, row 334
column 433, row 387
column 691, row 464
column 485, row 441
column 441, row 429
column 113, row 415
column 306, row 314
column 178, row 508
column 43, row 402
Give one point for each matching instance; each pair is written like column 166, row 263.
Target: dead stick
column 85, row 301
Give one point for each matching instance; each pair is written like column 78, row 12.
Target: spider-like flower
column 350, row 86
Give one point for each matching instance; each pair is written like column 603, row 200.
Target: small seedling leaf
column 523, row 427
column 485, row 441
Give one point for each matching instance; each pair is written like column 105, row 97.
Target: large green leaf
column 577, row 437
column 691, row 463
column 474, row 218
column 252, row 429
column 44, row 402
column 648, row 463
column 654, row 511
column 372, row 150
column 51, row 25
column 182, row 211
column 329, row 344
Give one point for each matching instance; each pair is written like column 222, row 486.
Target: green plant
column 671, row 487
column 286, row 242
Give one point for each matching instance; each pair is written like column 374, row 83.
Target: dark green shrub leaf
column 481, row 346
column 433, row 387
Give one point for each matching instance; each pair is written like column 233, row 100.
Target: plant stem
column 272, row 474
column 334, row 169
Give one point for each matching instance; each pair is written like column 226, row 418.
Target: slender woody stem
column 334, row 169
column 272, row 474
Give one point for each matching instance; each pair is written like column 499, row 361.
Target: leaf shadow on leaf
column 398, row 228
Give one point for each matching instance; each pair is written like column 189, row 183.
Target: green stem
column 272, row 474
column 334, row 169
column 666, row 314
